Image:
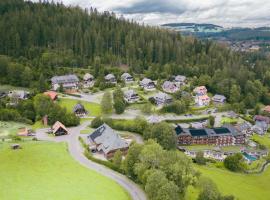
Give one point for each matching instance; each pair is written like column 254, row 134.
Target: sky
column 227, row 13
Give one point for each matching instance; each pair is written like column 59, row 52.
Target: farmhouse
column 69, row 82
column 88, row 78
column 170, row 87
column 52, row 94
column 222, row 136
column 23, row 131
column 219, row 98
column 147, row 84
column 162, row 98
column 203, row 100
column 110, row 78
column 180, row 80
column 131, row 96
column 200, row 91
column 127, row 78
column 107, row 141
column 59, row 129
column 79, row 110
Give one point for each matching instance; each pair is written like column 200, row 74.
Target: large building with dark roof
column 107, row 141
column 222, row 136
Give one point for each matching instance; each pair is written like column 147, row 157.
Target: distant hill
column 216, row 32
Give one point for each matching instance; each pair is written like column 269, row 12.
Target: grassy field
column 93, row 109
column 45, row 171
column 7, row 128
column 242, row 186
column 264, row 140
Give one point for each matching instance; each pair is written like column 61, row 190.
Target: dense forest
column 37, row 39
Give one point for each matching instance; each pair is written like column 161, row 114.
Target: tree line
column 38, row 39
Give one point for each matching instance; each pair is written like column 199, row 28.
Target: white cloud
column 221, row 12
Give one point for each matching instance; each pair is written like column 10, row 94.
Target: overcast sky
column 227, row 13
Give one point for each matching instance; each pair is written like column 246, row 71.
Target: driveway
column 76, row 151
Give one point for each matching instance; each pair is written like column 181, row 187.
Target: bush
column 102, row 162
column 234, row 163
column 97, row 122
column 199, row 159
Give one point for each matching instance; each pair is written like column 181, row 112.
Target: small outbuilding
column 79, row 110
column 59, row 129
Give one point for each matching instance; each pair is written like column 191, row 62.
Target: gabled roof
column 64, row 79
column 169, row 85
column 107, row 139
column 58, row 125
column 219, row 97
column 262, row 118
column 180, row 78
column 200, row 88
column 78, row 107
column 88, row 76
column 129, row 93
column 146, row 81
column 162, row 95
column 109, row 76
column 126, row 75
column 51, row 94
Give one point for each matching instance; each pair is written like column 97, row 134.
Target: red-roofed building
column 53, row 95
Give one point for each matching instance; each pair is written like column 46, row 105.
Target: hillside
column 39, row 39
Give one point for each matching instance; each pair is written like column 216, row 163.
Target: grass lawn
column 7, row 128
column 264, row 140
column 93, row 109
column 45, row 171
column 242, row 186
column 38, row 125
column 227, row 120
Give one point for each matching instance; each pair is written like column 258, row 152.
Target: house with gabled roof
column 201, row 90
column 127, row 78
column 147, row 84
column 131, row 96
column 170, row 87
column 202, row 100
column 69, row 82
column 88, row 80
column 107, row 141
column 79, row 110
column 180, row 80
column 59, row 129
column 219, row 98
column 110, row 78
column 162, row 98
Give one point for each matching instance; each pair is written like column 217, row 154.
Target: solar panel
column 198, row 132
column 222, row 130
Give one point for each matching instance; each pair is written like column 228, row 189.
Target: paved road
column 76, row 152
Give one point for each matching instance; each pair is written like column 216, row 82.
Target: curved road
column 76, row 152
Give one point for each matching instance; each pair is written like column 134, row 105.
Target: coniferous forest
column 37, row 39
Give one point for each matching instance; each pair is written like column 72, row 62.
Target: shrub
column 97, row 122
column 234, row 163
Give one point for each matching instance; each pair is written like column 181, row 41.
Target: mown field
column 242, row 186
column 45, row 171
column 10, row 128
column 93, row 109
